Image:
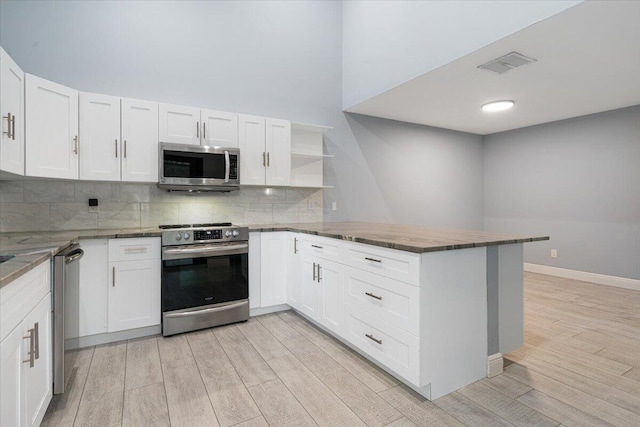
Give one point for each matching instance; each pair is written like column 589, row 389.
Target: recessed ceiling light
column 498, row 106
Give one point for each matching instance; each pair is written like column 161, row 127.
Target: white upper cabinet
column 278, row 148
column 251, row 134
column 265, row 151
column 219, row 128
column 12, row 108
column 139, row 140
column 180, row 125
column 51, row 136
column 100, row 136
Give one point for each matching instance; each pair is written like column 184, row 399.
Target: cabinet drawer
column 391, row 301
column 399, row 265
column 19, row 297
column 133, row 249
column 322, row 247
column 392, row 347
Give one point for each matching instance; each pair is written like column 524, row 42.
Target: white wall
column 387, row 43
column 277, row 59
column 576, row 180
column 394, row 172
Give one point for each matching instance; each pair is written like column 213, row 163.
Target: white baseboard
column 266, row 310
column 495, row 365
column 601, row 279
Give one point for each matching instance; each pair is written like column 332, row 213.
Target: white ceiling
column 588, row 61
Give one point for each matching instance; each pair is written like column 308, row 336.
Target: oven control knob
column 178, row 236
column 227, row 233
column 235, row 233
column 186, row 236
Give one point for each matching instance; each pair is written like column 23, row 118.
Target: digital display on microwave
column 180, row 164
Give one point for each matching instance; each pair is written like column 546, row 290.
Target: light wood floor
column 580, row 366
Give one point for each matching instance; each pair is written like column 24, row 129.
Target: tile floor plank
column 417, row 409
column 278, row 405
column 321, row 403
column 230, row 399
column 554, row 409
column 266, row 344
column 370, row 407
column 173, row 348
column 103, row 412
column 278, row 327
column 145, row 407
column 469, row 412
column 251, row 367
column 253, row 422
column 187, row 398
column 507, row 386
column 107, row 371
column 143, row 363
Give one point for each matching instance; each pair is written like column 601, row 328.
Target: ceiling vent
column 507, row 62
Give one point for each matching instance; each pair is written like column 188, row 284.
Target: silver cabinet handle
column 319, row 278
column 373, row 339
column 314, row 271
column 204, row 130
column 267, row 159
column 125, row 148
column 373, row 259
column 295, row 245
column 113, row 280
column 264, row 159
column 198, row 129
column 32, row 340
column 11, row 126
column 36, row 329
column 316, row 246
column 116, row 145
column 76, row 146
column 369, row 294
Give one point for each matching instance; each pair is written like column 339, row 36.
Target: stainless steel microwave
column 198, row 168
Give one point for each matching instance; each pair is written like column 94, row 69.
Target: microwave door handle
column 227, row 168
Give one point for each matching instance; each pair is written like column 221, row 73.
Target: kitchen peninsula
column 429, row 305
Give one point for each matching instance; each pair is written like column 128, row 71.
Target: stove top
column 213, row 224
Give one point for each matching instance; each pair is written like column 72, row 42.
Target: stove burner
column 168, row 227
column 215, row 224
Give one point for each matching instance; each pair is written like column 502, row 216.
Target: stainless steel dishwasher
column 66, row 281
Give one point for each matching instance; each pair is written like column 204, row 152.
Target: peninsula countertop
column 33, row 248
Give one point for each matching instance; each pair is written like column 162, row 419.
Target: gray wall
column 576, row 180
column 388, row 171
column 275, row 59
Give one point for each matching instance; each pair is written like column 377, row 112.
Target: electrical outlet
column 554, row 253
column 334, row 206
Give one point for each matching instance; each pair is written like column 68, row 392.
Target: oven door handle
column 206, row 251
column 206, row 310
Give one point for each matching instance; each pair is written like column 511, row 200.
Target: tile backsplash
column 51, row 205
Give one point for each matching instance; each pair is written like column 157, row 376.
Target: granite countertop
column 33, row 248
column 410, row 238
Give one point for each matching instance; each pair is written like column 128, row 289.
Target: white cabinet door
column 219, row 128
column 309, row 290
column 180, row 125
column 51, row 135
column 134, row 294
column 12, row 109
column 254, row 270
column 330, row 310
column 273, row 290
column 11, row 390
column 100, row 135
column 37, row 379
column 278, row 148
column 251, row 134
column 93, row 289
column 294, row 270
column 139, row 140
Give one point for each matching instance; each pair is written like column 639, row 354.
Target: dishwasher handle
column 73, row 256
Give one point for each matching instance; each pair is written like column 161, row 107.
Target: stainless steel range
column 205, row 276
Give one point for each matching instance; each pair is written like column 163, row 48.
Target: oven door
column 204, row 286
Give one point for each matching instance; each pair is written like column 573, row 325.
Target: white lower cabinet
column 26, row 350
column 134, row 283
column 273, row 263
column 309, row 291
column 134, row 294
column 93, row 289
